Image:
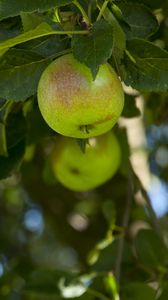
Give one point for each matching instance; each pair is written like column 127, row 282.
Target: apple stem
column 86, row 129
column 102, row 9
column 85, row 16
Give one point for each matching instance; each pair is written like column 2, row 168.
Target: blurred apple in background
column 81, row 171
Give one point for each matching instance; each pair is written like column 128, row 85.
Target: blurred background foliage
column 57, row 244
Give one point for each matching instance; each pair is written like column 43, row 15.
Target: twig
column 124, row 225
column 152, row 214
column 148, row 205
column 85, row 16
column 102, row 9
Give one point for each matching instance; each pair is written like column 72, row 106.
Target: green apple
column 75, row 105
column 80, row 171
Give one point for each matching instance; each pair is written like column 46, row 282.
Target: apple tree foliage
column 80, row 245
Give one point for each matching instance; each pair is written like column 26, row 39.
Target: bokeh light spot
column 33, row 220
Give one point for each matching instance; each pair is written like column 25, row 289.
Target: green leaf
column 130, row 110
column 119, row 41
column 11, row 163
column 20, row 71
column 10, row 8
column 138, row 291
column 106, row 258
column 30, row 20
column 142, row 23
column 146, row 66
column 151, row 251
column 95, row 48
column 47, row 46
column 151, row 3
column 42, row 30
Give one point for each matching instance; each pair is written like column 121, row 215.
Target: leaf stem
column 117, row 66
column 85, row 16
column 102, row 9
column 90, row 11
column 130, row 56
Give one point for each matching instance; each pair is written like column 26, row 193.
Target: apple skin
column 80, row 171
column 75, row 105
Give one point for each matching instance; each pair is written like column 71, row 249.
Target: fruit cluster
column 76, row 106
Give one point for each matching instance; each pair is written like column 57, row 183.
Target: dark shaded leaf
column 20, row 72
column 43, row 283
column 44, row 29
column 142, row 23
column 30, row 20
column 15, row 128
column 10, row 28
column 138, row 291
column 10, row 8
column 37, row 127
column 151, row 3
column 119, row 42
column 95, row 48
column 107, row 257
column 146, row 66
column 47, row 46
column 150, row 250
column 130, row 110
column 10, row 163
column 46, row 282
column 2, row 103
